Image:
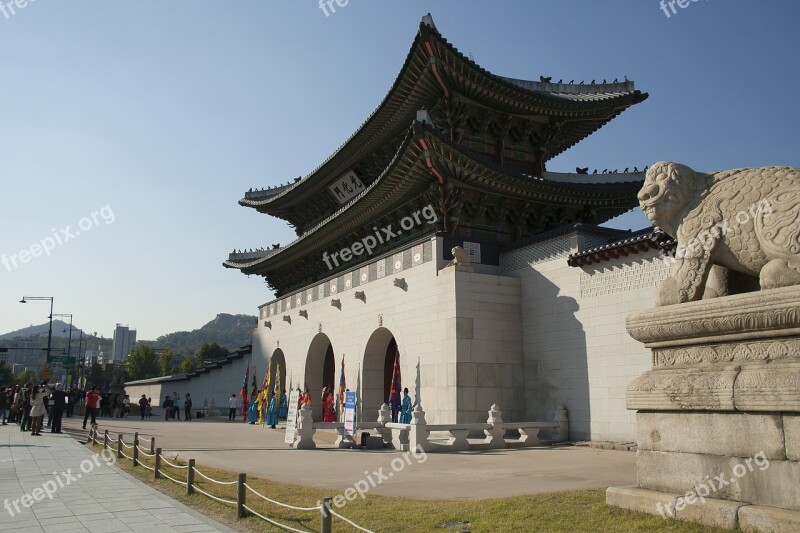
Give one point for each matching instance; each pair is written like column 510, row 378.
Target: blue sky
column 159, row 115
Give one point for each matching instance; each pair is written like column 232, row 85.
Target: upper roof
column 404, row 180
column 434, row 69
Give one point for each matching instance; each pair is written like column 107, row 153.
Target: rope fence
column 242, row 488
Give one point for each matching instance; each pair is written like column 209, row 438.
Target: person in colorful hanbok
column 328, row 412
column 272, row 411
column 252, row 410
column 405, row 408
column 284, row 406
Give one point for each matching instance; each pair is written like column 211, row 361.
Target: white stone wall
column 456, row 331
column 218, row 384
column 576, row 350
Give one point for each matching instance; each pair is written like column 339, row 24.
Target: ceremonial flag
column 277, row 388
column 342, row 384
column 244, row 392
column 394, row 392
column 255, row 371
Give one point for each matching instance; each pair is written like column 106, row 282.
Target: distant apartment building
column 124, row 340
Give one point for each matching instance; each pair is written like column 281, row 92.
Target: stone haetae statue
column 460, row 257
column 736, row 229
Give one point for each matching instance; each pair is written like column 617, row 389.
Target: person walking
column 3, row 406
column 25, row 425
column 167, row 405
column 37, row 411
column 92, row 400
column 176, row 406
column 126, row 406
column 143, row 406
column 187, row 408
column 58, row 400
column 233, row 405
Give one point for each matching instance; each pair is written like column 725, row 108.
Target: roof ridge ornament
column 428, row 21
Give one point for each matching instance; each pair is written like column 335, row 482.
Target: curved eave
column 504, row 93
column 405, row 179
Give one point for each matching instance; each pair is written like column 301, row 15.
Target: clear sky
column 144, row 122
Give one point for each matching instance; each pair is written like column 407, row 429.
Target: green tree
column 142, row 363
column 96, row 375
column 28, row 376
column 211, row 352
column 5, row 374
column 165, row 362
column 188, row 364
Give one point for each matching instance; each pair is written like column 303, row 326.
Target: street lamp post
column 50, row 331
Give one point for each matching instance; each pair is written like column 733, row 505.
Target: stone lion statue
column 736, row 229
column 460, row 257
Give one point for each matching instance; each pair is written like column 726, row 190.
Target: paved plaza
column 87, row 494
column 240, row 447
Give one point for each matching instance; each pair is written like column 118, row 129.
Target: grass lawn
column 573, row 511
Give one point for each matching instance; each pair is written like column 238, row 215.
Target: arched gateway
column 377, row 372
column 319, row 373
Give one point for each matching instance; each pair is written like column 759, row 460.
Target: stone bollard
column 305, row 430
column 562, row 433
column 495, row 436
column 418, row 435
column 384, row 417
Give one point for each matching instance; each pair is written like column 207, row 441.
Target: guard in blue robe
column 405, row 408
column 284, row 408
column 272, row 411
column 252, row 411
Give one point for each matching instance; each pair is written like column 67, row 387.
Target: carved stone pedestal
column 718, row 416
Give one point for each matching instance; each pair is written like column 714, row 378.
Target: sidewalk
column 88, row 494
column 239, row 447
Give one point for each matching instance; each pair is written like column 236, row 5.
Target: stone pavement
column 87, row 494
column 239, row 447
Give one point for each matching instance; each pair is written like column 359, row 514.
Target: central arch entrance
column 277, row 367
column 377, row 372
column 319, row 372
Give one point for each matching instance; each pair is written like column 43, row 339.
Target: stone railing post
column 495, row 436
column 305, row 430
column 562, row 433
column 418, row 435
column 384, row 417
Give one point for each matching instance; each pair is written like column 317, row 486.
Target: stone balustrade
column 417, row 434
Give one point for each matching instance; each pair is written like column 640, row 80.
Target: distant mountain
column 60, row 329
column 230, row 331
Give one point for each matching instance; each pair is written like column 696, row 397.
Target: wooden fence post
column 190, row 478
column 136, row 449
column 119, row 445
column 158, row 464
column 326, row 515
column 152, row 445
column 240, row 495
column 105, row 440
